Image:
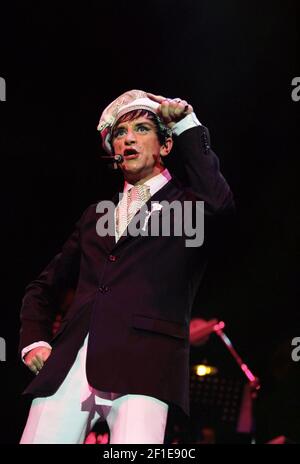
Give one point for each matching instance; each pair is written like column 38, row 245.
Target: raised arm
column 201, row 164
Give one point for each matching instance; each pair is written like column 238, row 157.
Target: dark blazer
column 134, row 297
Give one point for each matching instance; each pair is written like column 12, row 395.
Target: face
column 138, row 142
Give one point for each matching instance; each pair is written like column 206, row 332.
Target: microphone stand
column 246, row 421
column 252, row 379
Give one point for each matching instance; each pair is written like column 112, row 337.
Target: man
column 122, row 352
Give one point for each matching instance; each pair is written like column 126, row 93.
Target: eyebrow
column 142, row 123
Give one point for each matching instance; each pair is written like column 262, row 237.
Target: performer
column 122, row 351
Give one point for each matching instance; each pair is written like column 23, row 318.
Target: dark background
column 234, row 62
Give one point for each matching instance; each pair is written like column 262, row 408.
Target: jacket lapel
column 169, row 192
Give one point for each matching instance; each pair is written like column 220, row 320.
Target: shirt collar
column 154, row 183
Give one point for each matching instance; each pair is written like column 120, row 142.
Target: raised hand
column 171, row 110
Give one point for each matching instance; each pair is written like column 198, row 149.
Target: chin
column 132, row 168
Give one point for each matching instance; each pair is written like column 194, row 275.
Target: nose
column 130, row 137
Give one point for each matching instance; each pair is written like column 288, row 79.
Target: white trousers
column 67, row 416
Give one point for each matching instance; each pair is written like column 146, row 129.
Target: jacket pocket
column 173, row 329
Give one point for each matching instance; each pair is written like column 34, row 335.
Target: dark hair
column 161, row 130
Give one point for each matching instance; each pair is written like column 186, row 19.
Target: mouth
column 130, row 153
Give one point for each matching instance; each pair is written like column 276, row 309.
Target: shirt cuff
column 188, row 122
column 34, row 345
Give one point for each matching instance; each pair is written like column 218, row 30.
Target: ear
column 166, row 147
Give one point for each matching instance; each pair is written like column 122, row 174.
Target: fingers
column 156, row 98
column 35, row 360
column 174, row 110
column 35, row 364
column 175, row 103
column 39, row 361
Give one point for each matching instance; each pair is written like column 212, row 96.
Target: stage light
column 203, row 369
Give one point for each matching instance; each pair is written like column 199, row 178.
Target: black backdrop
column 234, row 61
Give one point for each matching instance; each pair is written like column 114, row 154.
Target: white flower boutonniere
column 154, row 207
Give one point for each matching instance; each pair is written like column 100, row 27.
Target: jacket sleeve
column 41, row 300
column 202, row 170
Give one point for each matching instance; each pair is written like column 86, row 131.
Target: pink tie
column 136, row 197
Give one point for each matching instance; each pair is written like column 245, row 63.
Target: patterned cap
column 128, row 101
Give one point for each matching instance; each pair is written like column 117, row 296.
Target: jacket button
column 112, row 258
column 103, row 289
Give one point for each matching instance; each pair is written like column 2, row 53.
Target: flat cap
column 128, row 101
